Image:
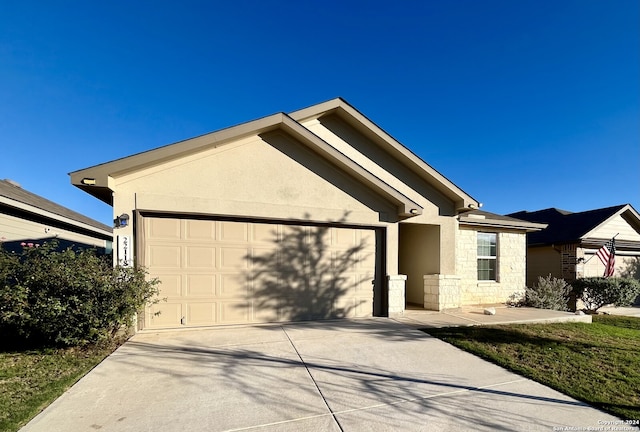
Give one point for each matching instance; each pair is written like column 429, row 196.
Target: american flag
column 607, row 254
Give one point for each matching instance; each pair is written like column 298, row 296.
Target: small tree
column 596, row 292
column 548, row 293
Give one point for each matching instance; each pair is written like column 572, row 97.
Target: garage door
column 216, row 272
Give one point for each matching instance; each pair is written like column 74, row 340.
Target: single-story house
column 318, row 213
column 29, row 218
column 566, row 248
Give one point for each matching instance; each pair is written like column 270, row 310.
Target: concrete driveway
column 360, row 375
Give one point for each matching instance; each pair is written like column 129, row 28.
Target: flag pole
column 612, row 238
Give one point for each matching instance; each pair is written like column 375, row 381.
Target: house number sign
column 125, row 258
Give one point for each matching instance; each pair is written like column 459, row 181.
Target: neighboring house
column 28, row 218
column 314, row 214
column 566, row 248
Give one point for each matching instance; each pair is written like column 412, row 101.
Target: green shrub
column 548, row 293
column 596, row 292
column 67, row 297
column 13, row 300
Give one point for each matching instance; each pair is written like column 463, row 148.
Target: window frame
column 494, row 236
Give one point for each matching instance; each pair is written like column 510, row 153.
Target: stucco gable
column 253, row 172
column 407, row 172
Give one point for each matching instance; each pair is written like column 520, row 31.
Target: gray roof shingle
column 564, row 226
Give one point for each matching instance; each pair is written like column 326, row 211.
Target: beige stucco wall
column 543, row 261
column 419, row 254
column 438, row 210
column 256, row 178
column 511, row 267
column 13, row 228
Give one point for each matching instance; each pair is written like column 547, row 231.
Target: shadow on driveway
column 349, row 375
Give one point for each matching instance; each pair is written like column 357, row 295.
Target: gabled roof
column 481, row 218
column 567, row 227
column 96, row 180
column 355, row 118
column 99, row 175
column 12, row 195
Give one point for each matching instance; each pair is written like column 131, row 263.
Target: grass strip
column 597, row 363
column 30, row 379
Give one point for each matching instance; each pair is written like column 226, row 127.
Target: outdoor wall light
column 121, row 221
column 413, row 211
column 88, row 181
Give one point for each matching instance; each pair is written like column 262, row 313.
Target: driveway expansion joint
column 313, row 380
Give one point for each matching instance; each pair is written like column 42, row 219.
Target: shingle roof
column 13, row 192
column 564, row 226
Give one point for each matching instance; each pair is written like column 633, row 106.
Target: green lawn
column 597, row 363
column 30, row 379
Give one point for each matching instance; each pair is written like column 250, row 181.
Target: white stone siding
column 396, row 288
column 442, row 292
column 511, row 272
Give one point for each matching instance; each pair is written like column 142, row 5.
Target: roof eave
column 97, row 180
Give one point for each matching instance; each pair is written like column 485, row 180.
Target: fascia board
column 361, row 122
column 54, row 216
column 493, row 223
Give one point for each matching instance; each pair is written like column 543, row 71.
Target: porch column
column 396, row 286
column 442, row 292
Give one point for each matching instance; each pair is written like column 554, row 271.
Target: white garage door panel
column 164, row 314
column 201, row 313
column 200, row 285
column 227, row 272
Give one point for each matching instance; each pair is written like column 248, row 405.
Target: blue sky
column 523, row 104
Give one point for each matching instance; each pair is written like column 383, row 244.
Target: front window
column 487, row 256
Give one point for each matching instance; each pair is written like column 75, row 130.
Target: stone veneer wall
column 396, row 289
column 511, row 267
column 442, row 292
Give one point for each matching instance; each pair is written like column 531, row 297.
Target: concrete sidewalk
column 632, row 311
column 349, row 375
column 470, row 316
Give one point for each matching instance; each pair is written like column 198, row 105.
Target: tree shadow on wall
column 306, row 278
